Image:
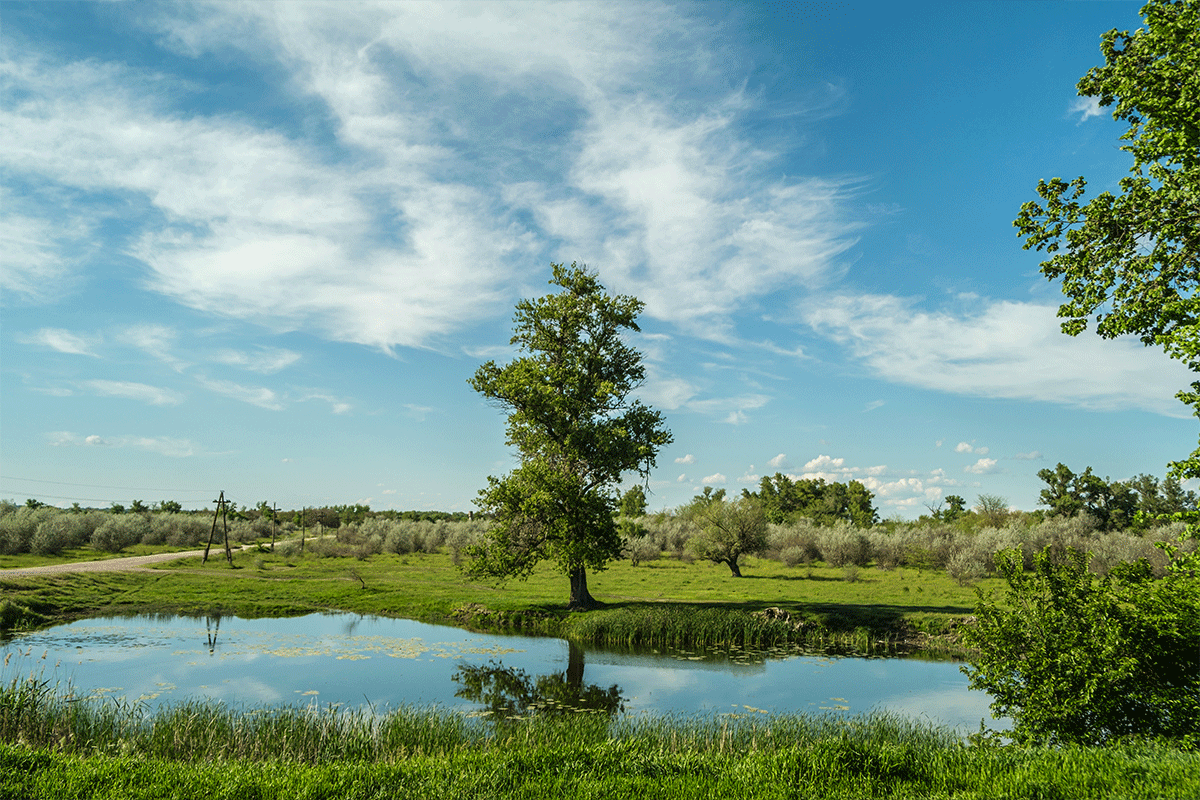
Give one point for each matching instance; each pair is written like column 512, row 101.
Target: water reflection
column 509, row 693
column 213, row 627
column 379, row 662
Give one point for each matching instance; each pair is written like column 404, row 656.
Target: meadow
column 887, row 589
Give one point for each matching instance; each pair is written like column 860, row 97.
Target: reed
column 57, row 746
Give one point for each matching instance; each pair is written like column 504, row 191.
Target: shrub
column 120, row 531
column 63, row 532
column 642, row 548
column 1075, row 658
column 18, row 527
column 793, row 544
column 843, row 544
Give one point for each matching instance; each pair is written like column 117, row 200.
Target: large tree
column 1132, row 259
column 577, row 428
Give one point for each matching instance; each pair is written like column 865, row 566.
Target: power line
column 97, row 486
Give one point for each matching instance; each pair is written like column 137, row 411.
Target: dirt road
column 127, row 564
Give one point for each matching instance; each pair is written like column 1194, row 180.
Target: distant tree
column 633, row 502
column 727, row 529
column 785, row 499
column 956, row 507
column 116, row 508
column 138, row 507
column 169, row 507
column 1112, row 503
column 577, row 428
column 1130, row 259
column 992, row 508
column 34, row 504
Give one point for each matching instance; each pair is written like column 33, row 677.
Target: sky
column 260, row 248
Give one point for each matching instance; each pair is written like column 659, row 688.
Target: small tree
column 576, row 427
column 1076, row 658
column 728, row 529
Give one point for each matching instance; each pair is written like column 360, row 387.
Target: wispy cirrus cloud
column 267, row 360
column 162, row 445
column 154, row 395
column 259, row 396
column 63, row 341
column 455, row 150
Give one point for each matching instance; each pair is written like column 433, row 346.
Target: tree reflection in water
column 213, row 626
column 510, row 693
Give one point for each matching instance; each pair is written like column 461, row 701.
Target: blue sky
column 261, row 247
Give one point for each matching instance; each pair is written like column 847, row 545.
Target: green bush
column 1072, row 657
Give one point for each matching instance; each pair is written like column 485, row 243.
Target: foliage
column 728, row 529
column 576, row 427
column 1130, row 259
column 785, row 499
column 1075, row 658
column 1112, row 503
column 633, row 502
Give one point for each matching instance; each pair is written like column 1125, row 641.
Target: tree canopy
column 784, row 499
column 577, row 429
column 728, row 529
column 1132, row 259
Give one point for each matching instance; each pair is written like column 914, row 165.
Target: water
column 347, row 659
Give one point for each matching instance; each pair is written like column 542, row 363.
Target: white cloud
column 681, row 478
column 1032, row 455
column 779, row 462
column 734, row 408
column 688, row 459
column 162, row 445
column 824, row 462
column 984, row 466
column 153, row 395
column 254, row 395
column 40, row 254
column 966, row 447
column 1086, row 108
column 336, row 405
column 61, row 340
column 460, row 150
column 716, row 479
column 1006, row 349
column 874, row 404
column 267, row 360
column 665, row 393
column 156, row 340
column 749, row 476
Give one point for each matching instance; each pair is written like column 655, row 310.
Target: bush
column 793, row 544
column 64, row 532
column 843, row 544
column 120, row 531
column 1075, row 658
column 18, row 527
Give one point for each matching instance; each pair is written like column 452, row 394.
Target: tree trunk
column 734, row 568
column 581, row 598
column 575, row 668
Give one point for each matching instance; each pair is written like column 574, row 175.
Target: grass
column 895, row 607
column 55, row 746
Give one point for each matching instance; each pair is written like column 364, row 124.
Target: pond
column 352, row 660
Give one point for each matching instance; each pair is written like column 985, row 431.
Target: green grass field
column 896, row 606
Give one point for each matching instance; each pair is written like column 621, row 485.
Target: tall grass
column 60, row 747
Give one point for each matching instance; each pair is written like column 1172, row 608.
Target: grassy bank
column 55, row 748
column 665, row 601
